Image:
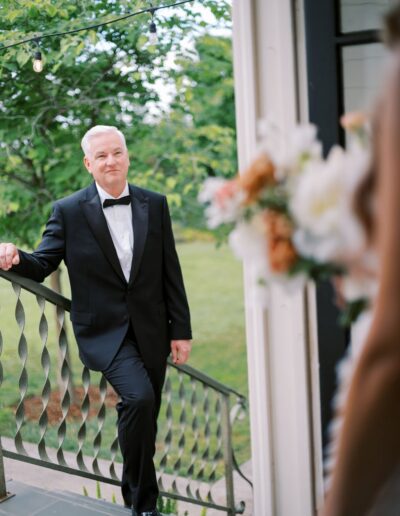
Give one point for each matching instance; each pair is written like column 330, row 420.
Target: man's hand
column 8, row 256
column 180, row 350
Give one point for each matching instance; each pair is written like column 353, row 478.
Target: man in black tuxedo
column 129, row 308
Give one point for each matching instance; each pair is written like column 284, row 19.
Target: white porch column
column 283, row 386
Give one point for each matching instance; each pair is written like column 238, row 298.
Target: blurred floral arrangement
column 291, row 213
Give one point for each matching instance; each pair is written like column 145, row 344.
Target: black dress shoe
column 146, row 513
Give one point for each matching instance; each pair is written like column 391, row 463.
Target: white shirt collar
column 105, row 195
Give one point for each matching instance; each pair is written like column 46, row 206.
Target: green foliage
column 107, row 76
column 315, row 270
column 275, row 199
column 85, row 491
column 167, row 505
column 171, row 506
column 98, row 490
column 351, row 311
column 113, row 498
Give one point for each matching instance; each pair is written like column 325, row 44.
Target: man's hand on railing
column 8, row 256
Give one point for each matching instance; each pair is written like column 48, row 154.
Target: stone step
column 34, row 501
column 93, row 502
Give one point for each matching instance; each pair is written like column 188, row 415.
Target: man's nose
column 110, row 159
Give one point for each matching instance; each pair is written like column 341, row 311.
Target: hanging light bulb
column 37, row 62
column 37, row 57
column 153, row 38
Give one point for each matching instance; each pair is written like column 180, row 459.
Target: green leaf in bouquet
column 351, row 311
column 315, row 270
column 275, row 198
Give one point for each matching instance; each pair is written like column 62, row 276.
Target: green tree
column 107, row 76
column 196, row 138
column 43, row 116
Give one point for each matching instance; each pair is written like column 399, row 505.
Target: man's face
column 108, row 162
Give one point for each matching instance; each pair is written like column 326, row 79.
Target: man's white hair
column 96, row 130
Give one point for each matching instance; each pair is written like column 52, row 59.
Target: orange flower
column 260, row 174
column 281, row 252
column 282, row 256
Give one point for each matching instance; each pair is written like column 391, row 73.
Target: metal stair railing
column 194, row 444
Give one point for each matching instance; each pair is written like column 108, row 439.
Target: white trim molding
column 282, row 364
column 256, row 329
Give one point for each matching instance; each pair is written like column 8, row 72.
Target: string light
column 37, row 58
column 37, row 62
column 153, row 38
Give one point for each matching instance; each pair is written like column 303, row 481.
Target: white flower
column 225, row 201
column 248, row 243
column 322, row 206
column 362, row 280
column 248, row 240
column 301, row 148
column 359, row 287
column 210, row 187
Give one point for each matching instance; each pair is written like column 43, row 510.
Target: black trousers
column 140, row 392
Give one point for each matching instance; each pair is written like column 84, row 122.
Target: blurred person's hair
column 365, row 193
column 391, row 27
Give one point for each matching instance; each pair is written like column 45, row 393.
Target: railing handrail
column 57, row 299
column 36, row 288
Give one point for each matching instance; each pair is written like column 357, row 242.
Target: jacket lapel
column 140, row 218
column 93, row 212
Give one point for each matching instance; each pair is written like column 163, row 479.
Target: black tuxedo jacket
column 103, row 303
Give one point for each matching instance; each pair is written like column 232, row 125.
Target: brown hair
column 364, row 195
column 391, row 28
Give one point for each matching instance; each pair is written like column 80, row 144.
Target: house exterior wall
column 269, row 67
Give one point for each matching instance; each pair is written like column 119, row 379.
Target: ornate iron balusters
column 194, row 442
column 46, row 390
column 23, row 378
column 85, row 414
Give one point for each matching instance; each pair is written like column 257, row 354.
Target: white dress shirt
column 119, row 222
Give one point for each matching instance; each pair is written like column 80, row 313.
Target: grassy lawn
column 213, row 281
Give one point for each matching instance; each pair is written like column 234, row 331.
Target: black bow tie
column 112, row 202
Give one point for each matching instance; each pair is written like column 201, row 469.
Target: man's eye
column 118, row 153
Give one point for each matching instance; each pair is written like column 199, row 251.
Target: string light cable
column 150, row 10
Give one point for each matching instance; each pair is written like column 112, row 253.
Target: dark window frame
column 324, row 44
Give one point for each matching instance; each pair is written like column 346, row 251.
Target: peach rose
column 282, row 254
column 227, row 191
column 353, row 121
column 260, row 174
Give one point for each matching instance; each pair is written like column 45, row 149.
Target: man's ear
column 87, row 164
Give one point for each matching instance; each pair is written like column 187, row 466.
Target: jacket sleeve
column 48, row 255
column 174, row 289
